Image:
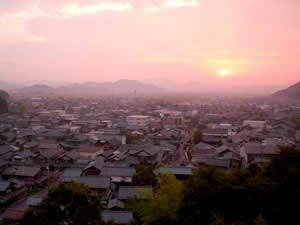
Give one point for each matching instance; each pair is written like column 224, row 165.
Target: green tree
column 161, row 208
column 144, row 175
column 197, row 136
column 70, row 204
column 130, row 139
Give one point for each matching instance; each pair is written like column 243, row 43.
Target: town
column 102, row 142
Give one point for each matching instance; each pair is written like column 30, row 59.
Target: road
column 180, row 155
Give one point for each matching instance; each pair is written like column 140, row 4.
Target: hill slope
column 94, row 88
column 292, row 92
column 36, row 89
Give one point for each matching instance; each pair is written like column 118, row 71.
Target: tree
column 197, row 136
column 212, row 191
column 144, row 175
column 131, row 139
column 161, row 208
column 70, row 204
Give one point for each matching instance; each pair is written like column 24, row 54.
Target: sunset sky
column 220, row 43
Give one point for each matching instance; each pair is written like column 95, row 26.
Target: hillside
column 93, row 88
column 36, row 89
column 292, row 92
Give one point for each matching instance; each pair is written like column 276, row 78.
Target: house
column 72, row 172
column 256, row 153
column 90, row 152
column 220, row 163
column 11, row 190
column 138, row 120
column 109, row 131
column 260, row 125
column 48, row 150
column 104, row 138
column 30, row 175
column 114, row 204
column 31, row 145
column 202, row 149
column 118, row 174
column 3, row 164
column 179, row 172
column 117, row 217
column 34, row 201
column 226, row 157
column 4, row 149
column 70, row 157
column 201, row 152
column 211, row 139
column 8, row 136
column 48, row 155
column 23, row 156
column 94, row 168
column 138, row 192
column 96, row 183
column 215, row 132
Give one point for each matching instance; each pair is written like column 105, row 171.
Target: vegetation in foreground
column 211, row 196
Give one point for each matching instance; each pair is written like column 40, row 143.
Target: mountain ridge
column 292, row 92
column 119, row 87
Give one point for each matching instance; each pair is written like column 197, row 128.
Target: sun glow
column 223, row 72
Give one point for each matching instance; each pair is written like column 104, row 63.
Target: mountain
column 36, row 90
column 6, row 86
column 292, row 92
column 3, row 102
column 93, row 88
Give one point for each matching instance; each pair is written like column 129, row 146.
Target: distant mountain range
column 292, row 92
column 118, row 87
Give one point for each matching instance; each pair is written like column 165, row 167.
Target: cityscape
column 159, row 112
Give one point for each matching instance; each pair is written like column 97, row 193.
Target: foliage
column 296, row 121
column 260, row 220
column 197, row 136
column 144, row 175
column 161, row 208
column 34, row 191
column 71, row 204
column 243, row 194
column 195, row 120
column 61, row 139
column 131, row 139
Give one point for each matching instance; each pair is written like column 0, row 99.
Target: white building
column 255, row 124
column 138, row 120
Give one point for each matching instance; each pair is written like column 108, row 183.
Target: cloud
column 74, row 9
column 152, row 9
column 180, row 3
column 13, row 26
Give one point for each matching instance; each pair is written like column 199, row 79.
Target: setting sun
column 223, row 72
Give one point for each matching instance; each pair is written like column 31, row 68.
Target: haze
column 179, row 44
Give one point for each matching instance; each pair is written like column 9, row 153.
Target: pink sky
column 183, row 41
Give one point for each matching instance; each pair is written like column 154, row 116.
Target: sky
column 223, row 44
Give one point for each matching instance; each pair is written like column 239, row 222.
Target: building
column 138, row 120
column 171, row 119
column 255, row 124
column 256, row 153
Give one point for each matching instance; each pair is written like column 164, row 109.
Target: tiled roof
column 118, row 171
column 72, row 172
column 96, row 182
